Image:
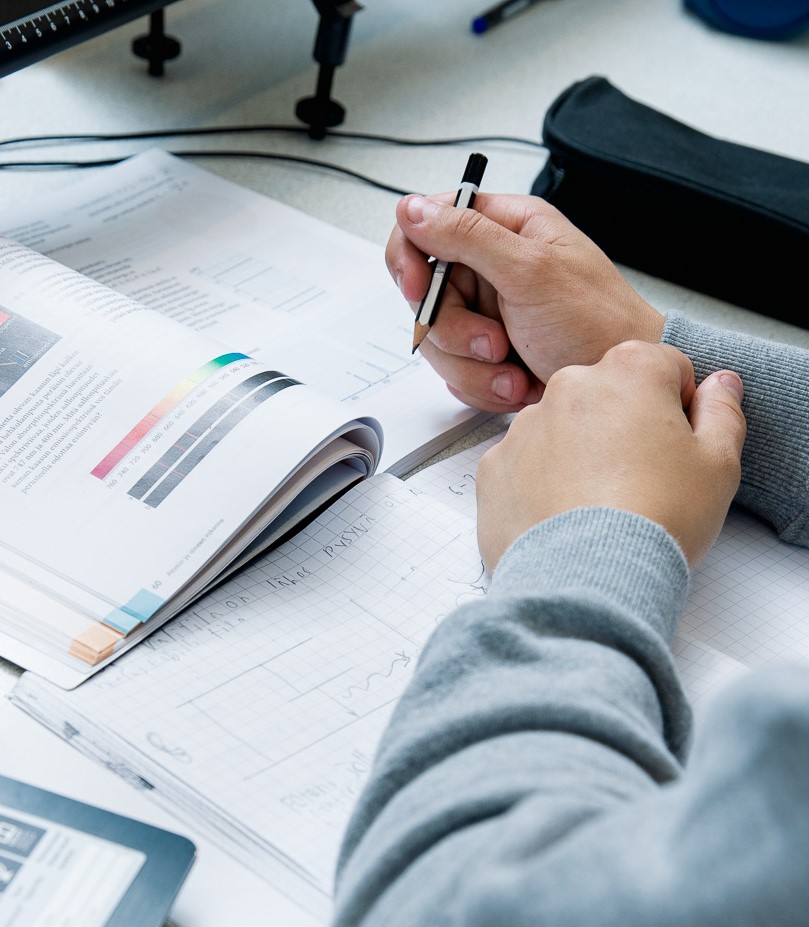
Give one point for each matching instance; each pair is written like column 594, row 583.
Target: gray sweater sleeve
column 532, row 773
column 775, row 461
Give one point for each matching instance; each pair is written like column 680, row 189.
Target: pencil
column 429, row 306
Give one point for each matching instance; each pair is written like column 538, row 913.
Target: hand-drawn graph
column 380, row 364
column 250, row 277
column 22, row 343
column 279, row 683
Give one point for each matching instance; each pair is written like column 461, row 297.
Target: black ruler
column 31, row 30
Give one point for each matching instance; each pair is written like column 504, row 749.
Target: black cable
column 51, row 165
column 437, row 142
column 296, row 159
column 270, row 156
column 245, row 129
column 268, row 128
column 152, row 133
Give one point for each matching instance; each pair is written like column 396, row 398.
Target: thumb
column 458, row 235
column 716, row 416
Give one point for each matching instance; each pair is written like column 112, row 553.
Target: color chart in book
column 157, row 414
column 194, row 445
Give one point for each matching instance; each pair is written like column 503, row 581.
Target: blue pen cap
column 479, row 25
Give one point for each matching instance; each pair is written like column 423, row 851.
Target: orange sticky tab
column 95, row 644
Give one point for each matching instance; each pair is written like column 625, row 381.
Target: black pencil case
column 655, row 194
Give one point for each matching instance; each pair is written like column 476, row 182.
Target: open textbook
column 257, row 275
column 139, row 462
column 140, row 459
column 255, row 714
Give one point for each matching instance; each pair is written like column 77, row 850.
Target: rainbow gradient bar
column 161, row 410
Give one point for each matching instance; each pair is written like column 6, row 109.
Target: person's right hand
column 631, row 432
column 529, row 294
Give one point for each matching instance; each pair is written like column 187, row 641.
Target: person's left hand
column 631, row 432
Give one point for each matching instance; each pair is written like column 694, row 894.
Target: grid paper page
column 749, row 600
column 748, row 607
column 452, row 480
column 257, row 712
column 266, row 699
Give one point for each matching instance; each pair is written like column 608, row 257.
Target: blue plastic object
column 758, row 19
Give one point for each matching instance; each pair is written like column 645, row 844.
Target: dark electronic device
column 31, row 30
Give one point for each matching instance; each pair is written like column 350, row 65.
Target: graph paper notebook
column 254, row 716
column 749, row 601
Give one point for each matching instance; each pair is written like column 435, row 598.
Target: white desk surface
column 413, row 69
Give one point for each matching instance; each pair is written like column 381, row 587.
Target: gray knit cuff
column 619, row 557
column 775, row 461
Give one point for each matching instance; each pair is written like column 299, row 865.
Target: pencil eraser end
column 479, row 25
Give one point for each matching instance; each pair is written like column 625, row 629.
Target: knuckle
column 524, row 422
column 488, row 465
column 646, row 362
column 466, row 222
column 634, row 353
column 727, row 461
column 569, row 378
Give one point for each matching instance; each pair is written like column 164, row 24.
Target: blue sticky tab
column 138, row 609
column 143, row 604
column 119, row 620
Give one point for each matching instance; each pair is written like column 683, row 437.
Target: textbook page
column 134, row 456
column 256, row 713
column 253, row 273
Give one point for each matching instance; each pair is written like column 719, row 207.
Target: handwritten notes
column 257, row 712
column 749, row 601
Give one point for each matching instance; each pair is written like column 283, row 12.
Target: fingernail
column 503, row 386
column 482, row 347
column 420, row 208
column 398, row 278
column 732, row 381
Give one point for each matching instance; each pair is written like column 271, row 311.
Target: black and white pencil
column 428, row 309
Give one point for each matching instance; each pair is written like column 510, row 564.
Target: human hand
column 529, row 294
column 631, row 432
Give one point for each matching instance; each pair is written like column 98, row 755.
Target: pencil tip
column 419, row 334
